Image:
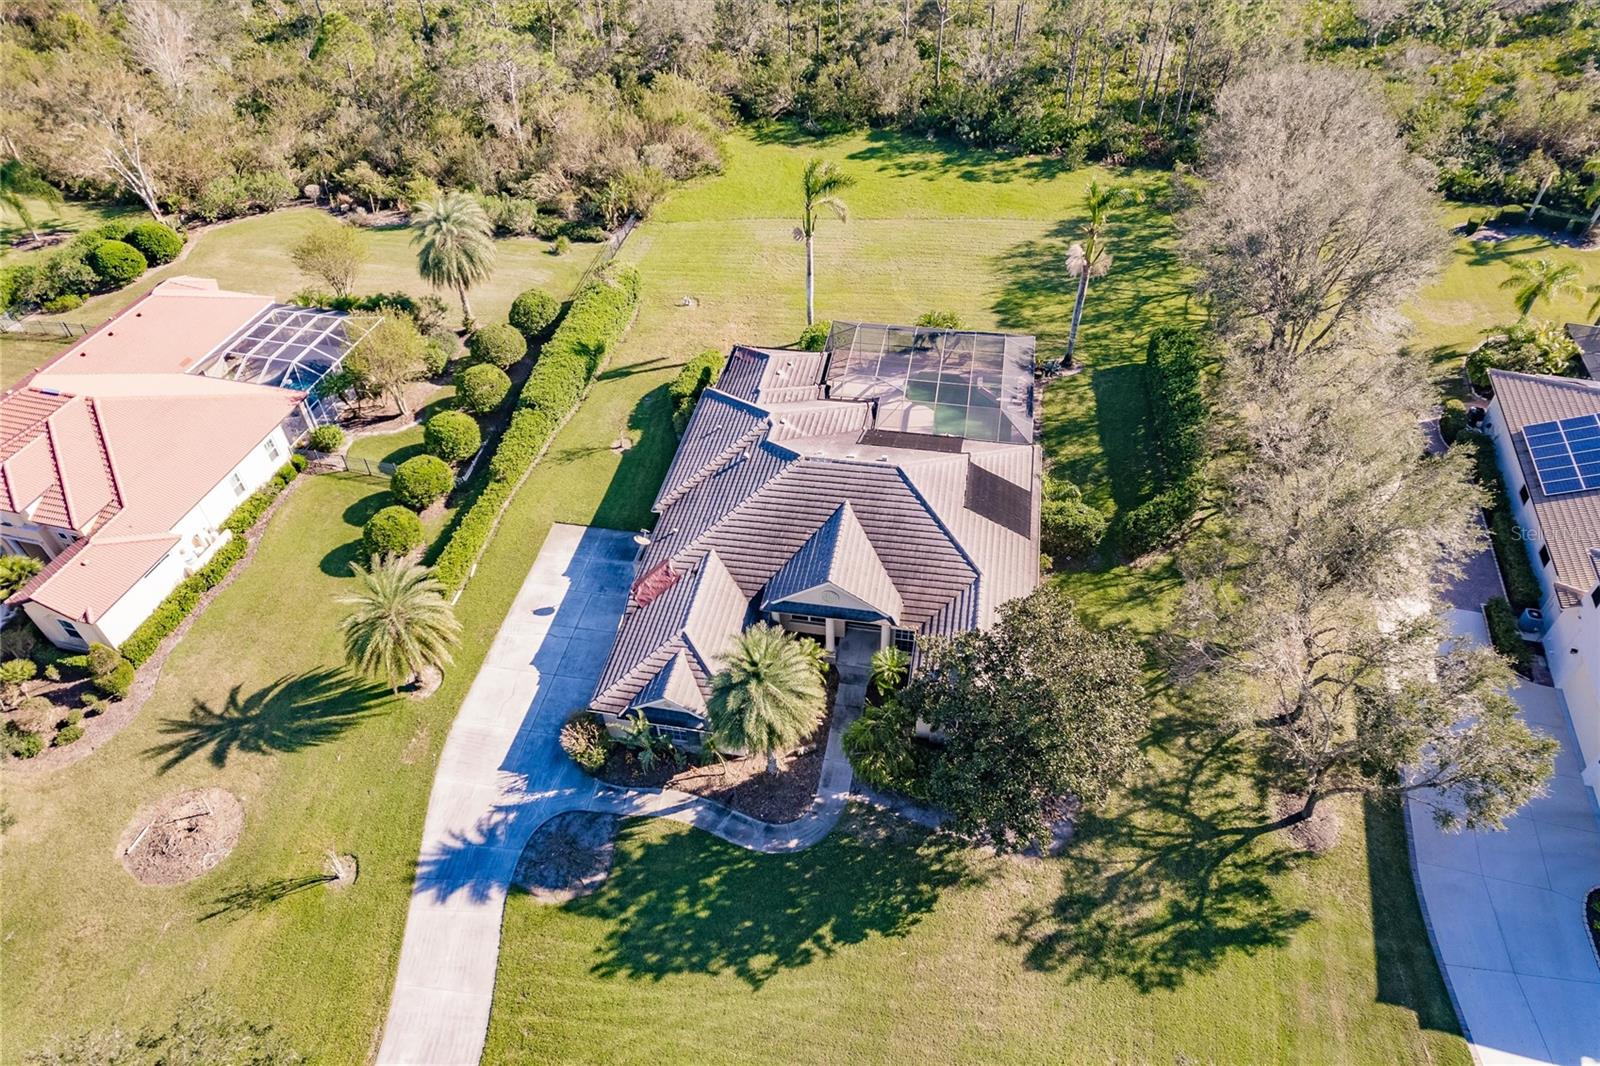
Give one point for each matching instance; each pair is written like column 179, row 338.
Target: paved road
column 501, row 774
column 1506, row 909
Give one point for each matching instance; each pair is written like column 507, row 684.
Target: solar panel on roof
column 1565, row 453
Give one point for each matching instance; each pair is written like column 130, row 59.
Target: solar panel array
column 954, row 383
column 1566, row 454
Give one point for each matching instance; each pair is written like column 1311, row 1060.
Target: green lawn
column 847, row 953
column 66, row 217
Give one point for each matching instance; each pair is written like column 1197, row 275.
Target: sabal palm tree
column 1591, row 195
column 18, row 183
column 455, row 245
column 819, row 188
column 1540, row 280
column 1090, row 256
column 768, row 696
column 401, row 625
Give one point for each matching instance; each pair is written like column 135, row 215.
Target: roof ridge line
column 61, row 471
column 105, row 449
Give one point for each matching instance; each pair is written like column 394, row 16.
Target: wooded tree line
column 590, row 110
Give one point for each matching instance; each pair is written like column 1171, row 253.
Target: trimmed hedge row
column 1504, row 635
column 1522, row 584
column 699, row 373
column 144, row 641
column 597, row 318
column 1174, row 365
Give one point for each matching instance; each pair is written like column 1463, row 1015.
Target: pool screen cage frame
column 955, row 383
column 293, row 347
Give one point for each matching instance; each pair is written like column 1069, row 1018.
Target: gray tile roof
column 1570, row 523
column 839, row 554
column 777, row 488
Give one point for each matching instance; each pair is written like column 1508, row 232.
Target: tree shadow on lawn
column 251, row 898
column 688, row 903
column 1167, row 886
column 337, row 562
column 903, row 155
column 288, row 715
column 1408, row 973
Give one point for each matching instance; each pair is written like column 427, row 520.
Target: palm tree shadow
column 1170, row 887
column 290, row 714
column 250, row 898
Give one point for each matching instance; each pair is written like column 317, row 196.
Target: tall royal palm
column 1090, row 255
column 1540, row 280
column 768, row 696
column 819, row 188
column 455, row 246
column 20, row 183
column 401, row 624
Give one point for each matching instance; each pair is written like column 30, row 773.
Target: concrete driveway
column 1506, row 909
column 501, row 774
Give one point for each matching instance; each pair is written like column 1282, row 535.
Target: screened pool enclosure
column 291, row 348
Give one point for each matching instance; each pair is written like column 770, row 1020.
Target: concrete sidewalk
column 1505, row 910
column 500, row 776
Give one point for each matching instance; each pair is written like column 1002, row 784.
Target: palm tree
column 1594, row 308
column 19, row 181
column 1540, row 280
column 769, row 695
column 1090, row 256
column 820, row 187
column 455, row 249
column 401, row 625
column 1591, row 195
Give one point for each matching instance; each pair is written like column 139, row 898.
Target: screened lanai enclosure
column 955, row 383
column 292, row 347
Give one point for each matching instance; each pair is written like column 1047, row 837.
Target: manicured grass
column 66, row 217
column 882, row 946
column 402, row 444
column 252, row 254
column 1455, row 313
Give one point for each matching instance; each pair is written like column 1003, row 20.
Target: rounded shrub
column 532, row 314
column 158, row 243
column 1070, row 528
column 452, row 436
column 421, row 480
column 482, row 388
column 326, row 439
column 814, row 337
column 499, row 344
column 586, row 741
column 23, row 743
column 117, row 681
column 70, row 301
column 395, row 530
column 103, row 659
column 116, row 262
column 66, row 736
column 436, row 353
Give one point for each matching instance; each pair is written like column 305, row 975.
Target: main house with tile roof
column 1546, row 432
column 889, row 483
column 121, row 459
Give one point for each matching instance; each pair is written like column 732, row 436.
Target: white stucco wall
column 1572, row 638
column 200, row 535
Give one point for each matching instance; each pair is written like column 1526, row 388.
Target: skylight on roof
column 1566, row 454
column 952, row 383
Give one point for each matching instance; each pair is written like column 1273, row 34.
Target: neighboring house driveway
column 502, row 774
column 1506, row 909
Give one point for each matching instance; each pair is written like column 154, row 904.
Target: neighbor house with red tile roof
column 121, row 460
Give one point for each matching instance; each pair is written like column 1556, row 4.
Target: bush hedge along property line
column 1174, row 372
column 698, row 374
column 138, row 648
column 497, row 344
column 533, row 313
column 482, row 388
column 1503, row 633
column 597, row 318
column 395, row 530
column 1522, row 584
column 421, row 481
column 452, row 436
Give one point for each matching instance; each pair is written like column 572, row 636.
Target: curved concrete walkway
column 502, row 774
column 1505, row 909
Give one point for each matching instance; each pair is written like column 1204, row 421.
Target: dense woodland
column 588, row 111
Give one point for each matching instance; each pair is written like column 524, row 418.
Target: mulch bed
column 742, row 784
column 1317, row 834
column 181, row 837
column 568, row 856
